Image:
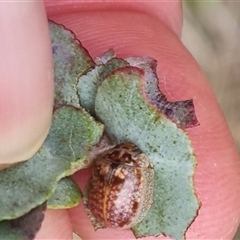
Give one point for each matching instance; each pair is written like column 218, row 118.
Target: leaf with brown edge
column 70, row 59
column 24, row 227
column 180, row 112
column 128, row 117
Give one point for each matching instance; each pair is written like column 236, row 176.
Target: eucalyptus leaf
column 121, row 105
column 72, row 135
column 89, row 82
column 28, row 184
column 25, row 227
column 70, row 59
column 66, row 195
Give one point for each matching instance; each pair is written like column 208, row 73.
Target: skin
column 25, row 66
column 146, row 28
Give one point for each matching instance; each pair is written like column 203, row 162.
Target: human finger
column 26, row 80
column 217, row 174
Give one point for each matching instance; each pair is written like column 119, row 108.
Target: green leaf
column 120, row 104
column 25, row 227
column 66, row 195
column 70, row 61
column 24, row 186
column 88, row 83
column 72, row 135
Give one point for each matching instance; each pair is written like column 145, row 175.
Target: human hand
column 152, row 29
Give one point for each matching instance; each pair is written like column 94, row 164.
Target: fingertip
column 26, row 80
column 170, row 12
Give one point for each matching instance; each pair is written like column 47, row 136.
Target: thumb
column 26, row 80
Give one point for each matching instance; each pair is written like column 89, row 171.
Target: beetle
column 120, row 191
